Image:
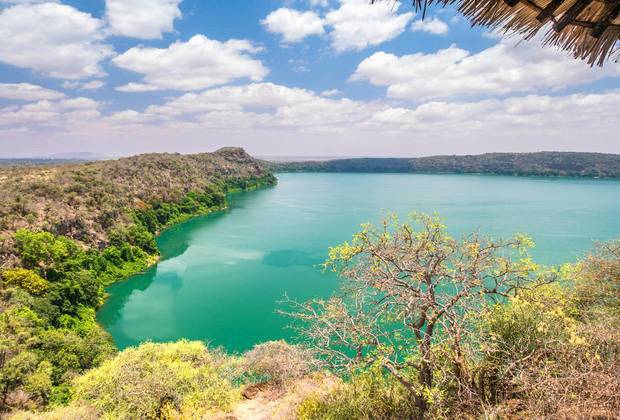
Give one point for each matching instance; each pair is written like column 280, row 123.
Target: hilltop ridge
column 573, row 164
column 84, row 201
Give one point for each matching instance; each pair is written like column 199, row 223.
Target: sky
column 288, row 78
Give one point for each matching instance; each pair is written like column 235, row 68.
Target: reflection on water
column 289, row 257
column 221, row 275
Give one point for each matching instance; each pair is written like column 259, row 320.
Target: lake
column 221, row 276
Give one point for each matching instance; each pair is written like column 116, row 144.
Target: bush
column 76, row 412
column 279, row 361
column 184, row 377
column 76, row 290
column 596, row 281
column 555, row 350
column 368, row 395
column 27, row 280
column 71, row 353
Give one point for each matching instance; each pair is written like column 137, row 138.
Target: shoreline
column 158, row 258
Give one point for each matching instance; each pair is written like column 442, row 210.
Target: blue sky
column 289, row 78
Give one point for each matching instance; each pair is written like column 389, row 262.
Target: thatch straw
column 589, row 29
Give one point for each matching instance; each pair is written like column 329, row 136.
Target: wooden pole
column 570, row 15
column 549, row 9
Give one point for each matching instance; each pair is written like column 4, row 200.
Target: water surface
column 221, row 275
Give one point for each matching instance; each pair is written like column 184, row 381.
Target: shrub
column 141, row 382
column 74, row 412
column 555, row 349
column 71, row 353
column 597, row 280
column 279, row 361
column 368, row 395
column 27, row 280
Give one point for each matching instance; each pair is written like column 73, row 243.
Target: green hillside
column 67, row 231
column 572, row 164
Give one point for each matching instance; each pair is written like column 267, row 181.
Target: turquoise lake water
column 221, row 276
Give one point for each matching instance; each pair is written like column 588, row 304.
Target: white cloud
column 144, row 19
column 259, row 105
column 53, row 39
column 27, row 92
column 196, row 64
column 293, row 25
column 433, row 26
column 331, row 92
column 276, row 119
column 136, row 87
column 512, row 116
column 502, row 69
column 252, row 96
column 51, row 112
column 357, row 24
column 129, row 117
column 91, row 85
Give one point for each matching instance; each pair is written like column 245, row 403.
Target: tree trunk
column 425, row 375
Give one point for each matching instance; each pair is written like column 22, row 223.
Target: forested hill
column 68, row 231
column 573, row 164
column 85, row 201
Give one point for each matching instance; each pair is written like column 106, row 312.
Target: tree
column 45, row 252
column 18, row 330
column 408, row 298
column 27, row 280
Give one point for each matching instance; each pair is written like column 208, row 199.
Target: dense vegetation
column 425, row 326
column 523, row 164
column 69, row 231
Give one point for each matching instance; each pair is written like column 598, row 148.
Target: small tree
column 408, row 295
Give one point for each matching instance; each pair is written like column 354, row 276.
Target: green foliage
column 523, row 164
column 407, row 295
column 39, row 383
column 184, row 377
column 44, row 251
column 367, row 395
column 28, row 280
column 556, row 348
column 71, row 352
column 38, row 359
column 246, row 183
column 89, row 226
column 596, row 280
column 161, row 214
column 50, row 332
column 74, row 291
column 137, row 235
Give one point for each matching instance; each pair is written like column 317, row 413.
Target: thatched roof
column 589, row 29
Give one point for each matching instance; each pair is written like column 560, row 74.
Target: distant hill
column 78, row 156
column 571, row 164
column 35, row 161
column 54, row 159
